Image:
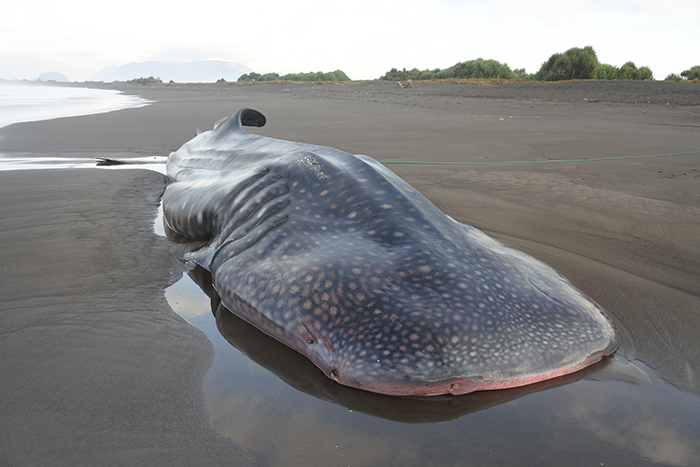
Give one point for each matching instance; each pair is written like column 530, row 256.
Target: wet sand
column 97, row 369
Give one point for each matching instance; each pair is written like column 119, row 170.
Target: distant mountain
column 202, row 71
column 53, row 76
column 104, row 73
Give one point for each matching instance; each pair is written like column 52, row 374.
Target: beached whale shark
column 337, row 257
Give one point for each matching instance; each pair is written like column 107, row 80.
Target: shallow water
column 274, row 402
column 19, row 162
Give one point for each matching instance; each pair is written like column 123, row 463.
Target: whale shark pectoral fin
column 202, row 256
column 619, row 369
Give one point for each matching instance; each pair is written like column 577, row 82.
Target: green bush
column 627, row 71
column 481, row 69
column 405, row 75
column 149, row 80
column 575, row 63
column 630, row 71
column 693, row 73
column 252, row 76
column 520, row 73
column 478, row 69
column 645, row 73
column 337, row 75
column 605, row 71
column 673, row 77
column 395, row 75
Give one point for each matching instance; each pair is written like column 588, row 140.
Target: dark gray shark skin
column 337, row 257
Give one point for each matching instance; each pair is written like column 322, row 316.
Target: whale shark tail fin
column 236, row 122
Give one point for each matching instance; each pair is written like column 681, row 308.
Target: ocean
column 28, row 102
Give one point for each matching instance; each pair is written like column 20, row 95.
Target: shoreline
column 589, row 91
column 20, row 105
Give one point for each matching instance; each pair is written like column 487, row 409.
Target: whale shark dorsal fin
column 236, row 122
column 250, row 117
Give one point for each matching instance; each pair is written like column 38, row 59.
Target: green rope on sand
column 543, row 161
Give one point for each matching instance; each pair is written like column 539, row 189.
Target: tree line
column 337, row 75
column 692, row 73
column 575, row 63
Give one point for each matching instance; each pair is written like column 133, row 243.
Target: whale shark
column 340, row 259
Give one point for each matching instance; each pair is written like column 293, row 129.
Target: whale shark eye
column 334, row 375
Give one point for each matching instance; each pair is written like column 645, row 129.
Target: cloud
column 187, row 299
column 636, row 420
column 78, row 38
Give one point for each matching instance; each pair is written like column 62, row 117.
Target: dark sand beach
column 600, row 180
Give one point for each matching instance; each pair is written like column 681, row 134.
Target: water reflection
column 258, row 394
column 301, row 374
column 274, row 402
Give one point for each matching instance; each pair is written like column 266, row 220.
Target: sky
column 364, row 38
